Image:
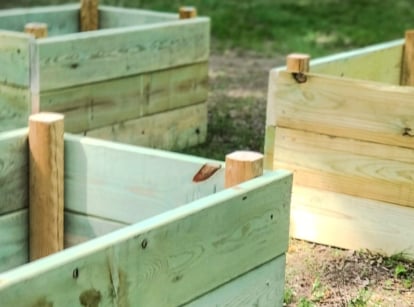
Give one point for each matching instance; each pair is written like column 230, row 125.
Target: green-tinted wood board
column 184, row 252
column 142, row 182
column 176, row 129
column 116, row 17
column 14, row 164
column 15, row 107
column 14, row 246
column 263, row 286
column 93, row 56
column 60, row 19
column 105, row 103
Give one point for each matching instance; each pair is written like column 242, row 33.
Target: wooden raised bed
column 141, row 78
column 345, row 128
column 156, row 234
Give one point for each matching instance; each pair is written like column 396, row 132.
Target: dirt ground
column 316, row 275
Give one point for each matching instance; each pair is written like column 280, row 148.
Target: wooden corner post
column 89, row 15
column 298, row 65
column 37, row 29
column 407, row 69
column 242, row 166
column 46, row 184
column 187, row 12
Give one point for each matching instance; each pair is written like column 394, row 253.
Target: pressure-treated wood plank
column 14, row 240
column 15, row 107
column 15, row 58
column 105, row 103
column 381, row 63
column 89, row 57
column 142, row 182
column 263, row 286
column 174, row 129
column 14, row 171
column 354, row 109
column 184, row 252
column 351, row 222
column 340, row 165
column 61, row 19
column 80, row 228
column 116, row 17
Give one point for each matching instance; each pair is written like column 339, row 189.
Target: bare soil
column 316, row 275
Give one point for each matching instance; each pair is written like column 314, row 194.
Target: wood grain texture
column 242, row 166
column 102, row 104
column 142, row 182
column 380, row 63
column 174, row 129
column 89, row 15
column 263, row 286
column 14, row 171
column 87, row 57
column 351, row 222
column 14, row 240
column 354, row 109
column 61, row 19
column 46, row 177
column 117, row 17
column 346, row 166
column 407, row 67
column 15, row 107
column 179, row 252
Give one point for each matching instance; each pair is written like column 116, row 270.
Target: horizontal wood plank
column 14, row 240
column 94, row 56
column 345, row 166
column 351, row 222
column 263, row 286
column 185, row 252
column 174, row 129
column 380, row 63
column 354, row 109
column 142, row 182
column 116, row 17
column 60, row 19
column 101, row 104
column 15, row 107
column 14, row 171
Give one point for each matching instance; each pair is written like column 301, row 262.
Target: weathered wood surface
column 380, row 63
column 174, row 129
column 347, row 166
column 263, row 286
column 61, row 19
column 351, row 222
column 14, row 171
column 178, row 251
column 87, row 57
column 15, row 107
column 14, row 240
column 96, row 105
column 348, row 108
column 117, row 17
column 89, row 15
column 141, row 181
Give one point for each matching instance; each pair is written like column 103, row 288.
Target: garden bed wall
column 345, row 129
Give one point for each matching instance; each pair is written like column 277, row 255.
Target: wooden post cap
column 242, row 166
column 89, row 15
column 37, row 29
column 297, row 63
column 187, row 12
column 46, row 184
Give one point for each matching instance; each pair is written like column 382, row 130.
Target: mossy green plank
column 167, row 260
column 80, row 228
column 15, row 58
column 263, row 286
column 381, row 63
column 61, row 19
column 93, row 56
column 128, row 184
column 14, row 164
column 116, row 17
column 105, row 103
column 15, row 106
column 14, row 240
column 176, row 129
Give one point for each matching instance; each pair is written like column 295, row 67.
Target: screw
column 144, row 244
